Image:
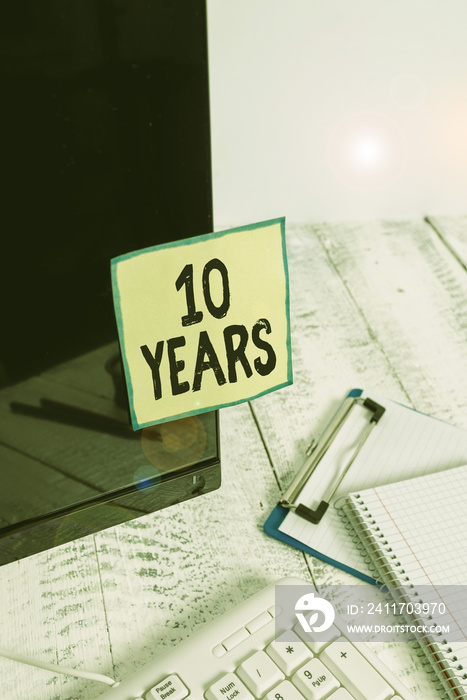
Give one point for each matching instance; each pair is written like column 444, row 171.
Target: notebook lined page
column 403, row 444
column 423, row 521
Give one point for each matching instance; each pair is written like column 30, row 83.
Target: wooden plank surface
column 379, row 305
column 452, row 230
column 52, row 609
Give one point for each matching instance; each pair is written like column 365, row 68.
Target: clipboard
column 402, row 433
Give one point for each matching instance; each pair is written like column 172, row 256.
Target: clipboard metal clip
column 318, row 449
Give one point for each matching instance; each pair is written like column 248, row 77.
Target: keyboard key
column 343, row 694
column 218, row 650
column 289, row 654
column 235, row 638
column 228, row 688
column 354, row 672
column 322, row 640
column 274, row 610
column 284, row 691
column 170, row 688
column 315, row 681
column 259, row 673
column 258, row 622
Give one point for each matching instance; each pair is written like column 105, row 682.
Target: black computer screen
column 105, row 149
column 105, row 146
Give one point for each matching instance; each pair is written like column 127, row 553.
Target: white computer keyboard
column 239, row 657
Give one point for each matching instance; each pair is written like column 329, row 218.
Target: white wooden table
column 380, row 305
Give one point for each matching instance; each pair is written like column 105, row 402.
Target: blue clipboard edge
column 272, row 524
column 271, row 527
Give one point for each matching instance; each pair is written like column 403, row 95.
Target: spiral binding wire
column 369, row 540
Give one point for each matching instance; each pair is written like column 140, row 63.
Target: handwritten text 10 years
column 237, row 353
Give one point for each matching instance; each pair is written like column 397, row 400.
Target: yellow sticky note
column 203, row 322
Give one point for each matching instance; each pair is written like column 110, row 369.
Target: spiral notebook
column 414, row 533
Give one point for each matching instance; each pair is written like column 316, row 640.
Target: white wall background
column 326, row 110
